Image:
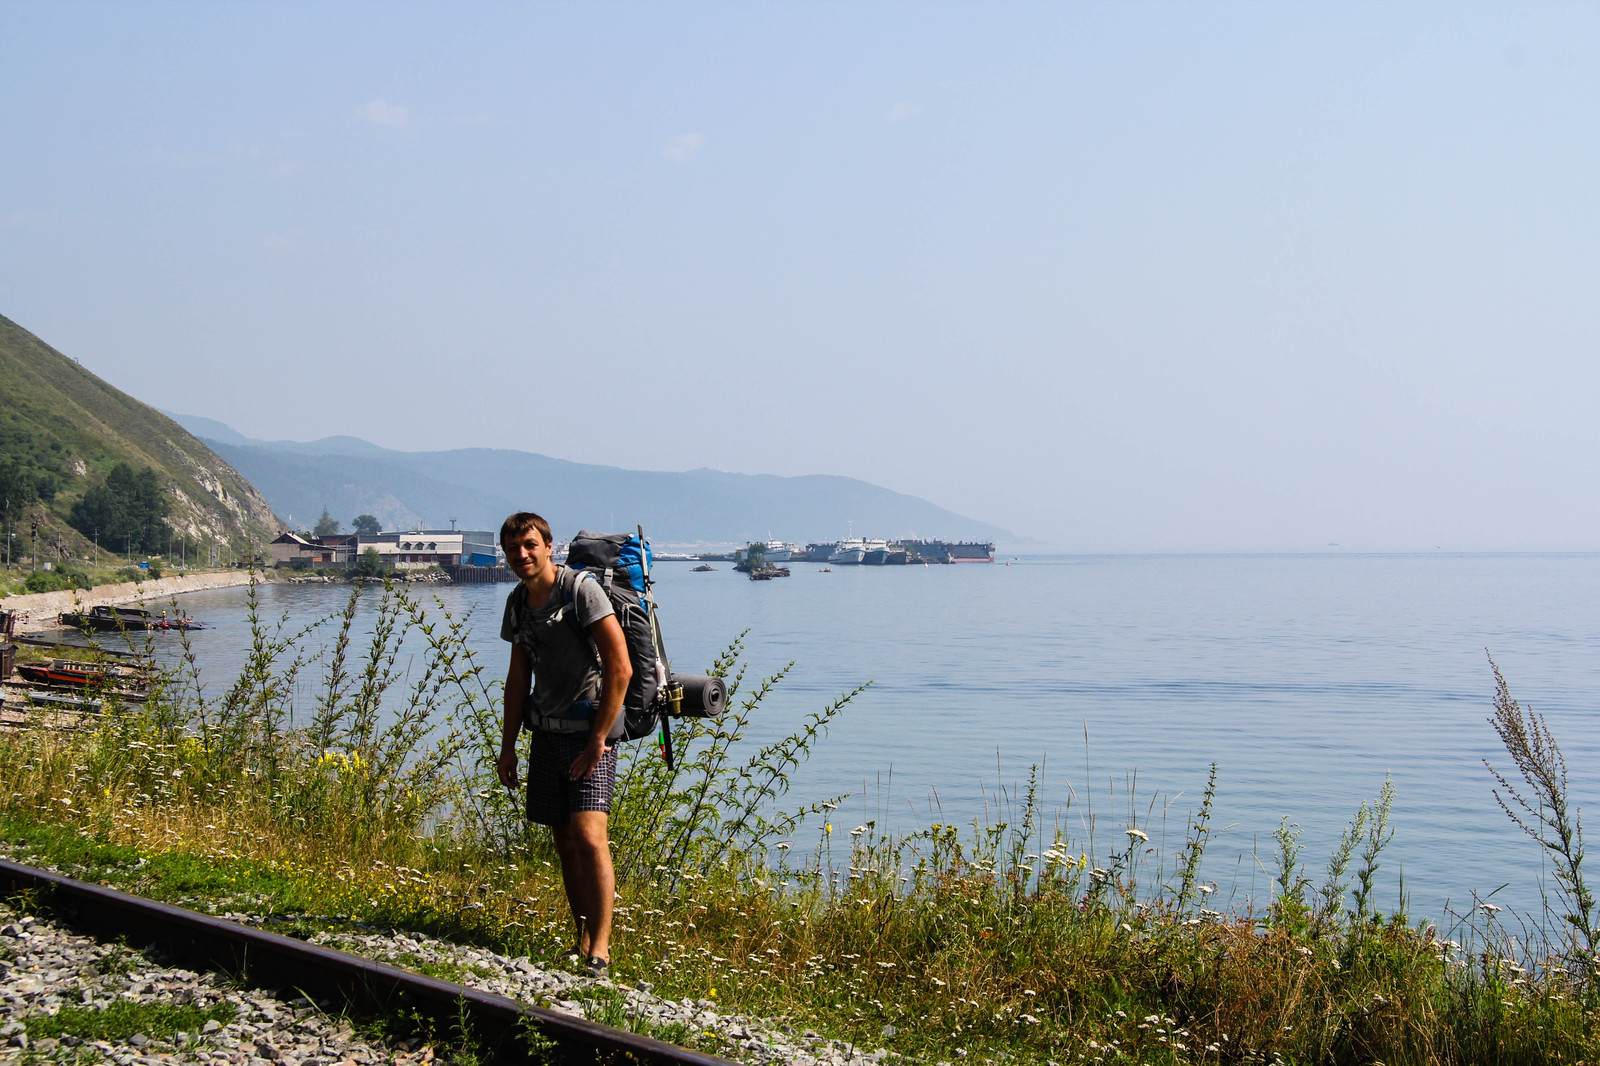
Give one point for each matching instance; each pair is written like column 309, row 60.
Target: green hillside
column 63, row 431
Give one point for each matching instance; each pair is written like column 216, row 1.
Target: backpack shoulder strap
column 567, row 582
column 567, row 579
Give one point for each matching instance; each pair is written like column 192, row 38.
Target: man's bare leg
column 587, row 875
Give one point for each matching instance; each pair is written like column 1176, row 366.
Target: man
column 579, row 674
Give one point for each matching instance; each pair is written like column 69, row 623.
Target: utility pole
column 97, row 547
column 33, row 556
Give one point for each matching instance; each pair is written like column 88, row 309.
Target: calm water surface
column 1307, row 679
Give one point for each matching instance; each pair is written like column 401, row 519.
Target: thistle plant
column 1541, row 808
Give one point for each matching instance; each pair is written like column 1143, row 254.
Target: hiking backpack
column 621, row 563
column 656, row 695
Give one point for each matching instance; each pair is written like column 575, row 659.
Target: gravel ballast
column 45, row 966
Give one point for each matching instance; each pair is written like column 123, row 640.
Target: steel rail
column 272, row 961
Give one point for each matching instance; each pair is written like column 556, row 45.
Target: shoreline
column 37, row 611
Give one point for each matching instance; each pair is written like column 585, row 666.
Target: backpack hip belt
column 576, row 720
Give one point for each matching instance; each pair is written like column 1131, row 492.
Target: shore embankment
column 37, row 611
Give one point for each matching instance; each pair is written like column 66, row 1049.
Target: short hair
column 518, row 524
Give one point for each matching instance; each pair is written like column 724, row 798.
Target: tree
column 370, row 564
column 327, row 525
column 126, row 511
column 367, row 525
column 17, row 484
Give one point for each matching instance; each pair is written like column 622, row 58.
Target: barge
column 107, row 618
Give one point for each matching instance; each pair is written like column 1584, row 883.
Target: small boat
column 63, row 672
column 825, row 570
column 703, row 568
column 133, row 619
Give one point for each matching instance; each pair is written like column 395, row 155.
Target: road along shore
column 38, row 610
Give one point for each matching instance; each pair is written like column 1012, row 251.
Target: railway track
column 365, row 987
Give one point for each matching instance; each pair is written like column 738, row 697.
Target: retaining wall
column 38, row 610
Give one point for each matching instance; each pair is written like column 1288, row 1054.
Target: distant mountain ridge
column 59, row 420
column 478, row 487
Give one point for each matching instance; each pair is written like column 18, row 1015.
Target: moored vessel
column 780, row 551
column 849, row 551
column 971, row 551
column 104, row 617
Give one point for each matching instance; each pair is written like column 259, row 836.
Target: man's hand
column 506, row 767
column 588, row 758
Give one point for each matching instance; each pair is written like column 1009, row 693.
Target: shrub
column 47, row 581
column 370, row 564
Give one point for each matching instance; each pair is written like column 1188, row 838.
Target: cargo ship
column 971, row 551
column 872, row 551
column 941, row 551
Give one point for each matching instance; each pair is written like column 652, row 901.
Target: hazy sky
column 1120, row 276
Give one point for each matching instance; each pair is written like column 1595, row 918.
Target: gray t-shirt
column 566, row 667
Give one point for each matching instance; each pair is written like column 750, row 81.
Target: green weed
column 122, row 1018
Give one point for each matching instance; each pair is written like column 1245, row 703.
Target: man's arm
column 518, row 677
column 616, row 670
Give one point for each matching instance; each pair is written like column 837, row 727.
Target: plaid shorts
column 552, row 794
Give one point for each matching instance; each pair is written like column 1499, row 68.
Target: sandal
column 597, row 967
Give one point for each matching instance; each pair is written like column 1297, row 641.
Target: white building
column 418, row 549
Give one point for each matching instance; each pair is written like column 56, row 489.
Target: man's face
column 527, row 554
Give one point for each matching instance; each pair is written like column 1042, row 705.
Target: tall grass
column 1012, row 936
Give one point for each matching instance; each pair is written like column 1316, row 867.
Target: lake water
column 1306, row 678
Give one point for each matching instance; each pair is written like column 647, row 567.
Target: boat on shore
column 63, row 672
column 95, row 680
column 107, row 617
